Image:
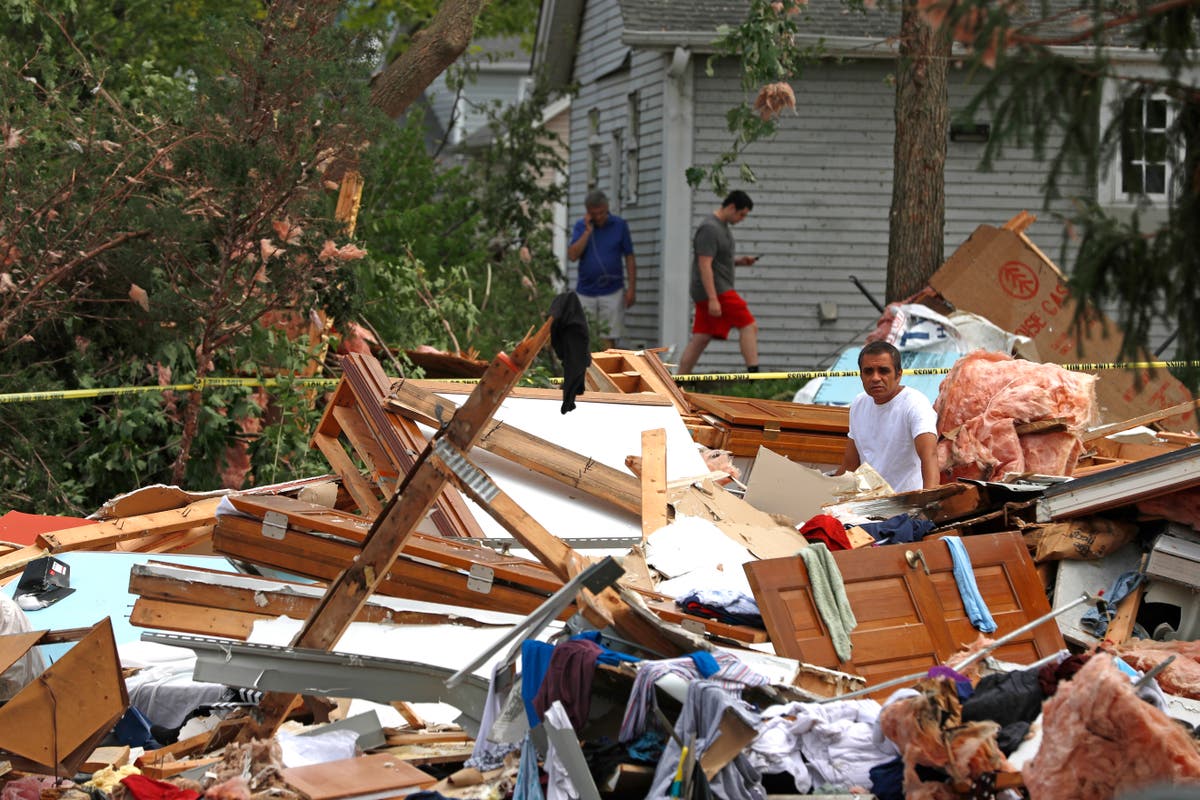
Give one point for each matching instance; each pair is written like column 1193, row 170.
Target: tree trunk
column 917, row 218
column 191, row 423
column 432, row 51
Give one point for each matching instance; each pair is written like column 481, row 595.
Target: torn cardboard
column 756, row 530
column 1002, row 276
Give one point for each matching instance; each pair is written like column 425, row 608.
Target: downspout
column 676, row 252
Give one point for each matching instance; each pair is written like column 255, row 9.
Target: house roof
column 669, row 22
column 694, row 24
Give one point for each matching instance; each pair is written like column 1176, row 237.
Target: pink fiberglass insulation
column 1181, row 676
column 1100, row 740
column 928, row 730
column 986, row 395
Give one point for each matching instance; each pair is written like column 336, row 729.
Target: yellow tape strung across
column 204, row 383
column 207, row 383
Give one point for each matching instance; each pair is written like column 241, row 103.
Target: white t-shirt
column 884, row 435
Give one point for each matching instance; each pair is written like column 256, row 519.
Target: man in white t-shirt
column 892, row 427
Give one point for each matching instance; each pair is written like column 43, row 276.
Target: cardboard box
column 1003, row 277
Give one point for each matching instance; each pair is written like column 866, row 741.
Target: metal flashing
column 1122, row 485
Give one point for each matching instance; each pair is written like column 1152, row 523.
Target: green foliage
column 465, row 250
column 164, row 178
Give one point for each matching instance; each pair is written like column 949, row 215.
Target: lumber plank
column 16, row 561
column 360, row 488
column 598, row 381
column 535, row 393
column 414, row 580
column 101, row 535
column 1143, row 419
column 355, row 428
column 654, row 481
column 204, row 589
column 535, row 453
column 408, row 506
column 456, row 553
column 402, row 440
column 194, row 619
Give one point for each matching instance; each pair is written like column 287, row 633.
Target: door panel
column 907, row 620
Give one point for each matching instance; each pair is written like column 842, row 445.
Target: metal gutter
column 1122, row 485
column 317, row 672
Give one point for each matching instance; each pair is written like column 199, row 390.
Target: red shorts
column 734, row 314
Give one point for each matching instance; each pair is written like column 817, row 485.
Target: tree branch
column 432, row 51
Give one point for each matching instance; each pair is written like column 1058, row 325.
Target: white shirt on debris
column 884, row 433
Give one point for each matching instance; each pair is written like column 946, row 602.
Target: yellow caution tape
column 713, row 377
column 202, row 384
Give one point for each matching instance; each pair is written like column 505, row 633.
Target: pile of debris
column 660, row 594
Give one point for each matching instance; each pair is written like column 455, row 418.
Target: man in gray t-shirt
column 719, row 308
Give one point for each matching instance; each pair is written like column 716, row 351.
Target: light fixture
column 970, row 132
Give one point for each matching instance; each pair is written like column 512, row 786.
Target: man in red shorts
column 718, row 307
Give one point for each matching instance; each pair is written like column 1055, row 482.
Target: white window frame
column 1111, row 192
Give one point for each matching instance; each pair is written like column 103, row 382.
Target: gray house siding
column 821, row 207
column 619, row 87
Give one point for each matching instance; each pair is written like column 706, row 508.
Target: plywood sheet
column 352, row 777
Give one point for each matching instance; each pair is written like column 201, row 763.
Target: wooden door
column 907, row 620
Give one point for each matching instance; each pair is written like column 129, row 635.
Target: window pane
column 1131, row 179
column 1156, row 179
column 1156, row 148
column 1156, row 114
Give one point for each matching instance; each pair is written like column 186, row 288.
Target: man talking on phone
column 607, row 270
column 719, row 308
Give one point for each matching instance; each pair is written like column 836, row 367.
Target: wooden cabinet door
column 907, row 620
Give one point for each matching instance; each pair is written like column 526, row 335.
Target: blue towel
column 706, row 665
column 964, row 576
column 535, row 660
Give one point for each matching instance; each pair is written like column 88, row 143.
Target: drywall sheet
column 605, row 432
column 779, row 486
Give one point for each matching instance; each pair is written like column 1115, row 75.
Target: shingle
column 828, row 18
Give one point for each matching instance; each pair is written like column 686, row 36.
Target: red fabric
column 734, row 314
column 21, row 528
column 144, row 788
column 827, row 529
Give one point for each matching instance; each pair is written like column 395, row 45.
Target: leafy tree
column 158, row 215
column 465, row 249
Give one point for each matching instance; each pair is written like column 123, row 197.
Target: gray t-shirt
column 713, row 238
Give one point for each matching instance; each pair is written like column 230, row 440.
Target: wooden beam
column 102, row 535
column 194, row 619
column 1144, row 419
column 544, row 457
column 399, row 519
column 360, row 488
column 402, row 440
column 607, row 607
column 654, row 481
column 324, row 559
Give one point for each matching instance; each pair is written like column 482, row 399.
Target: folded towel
column 829, row 593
